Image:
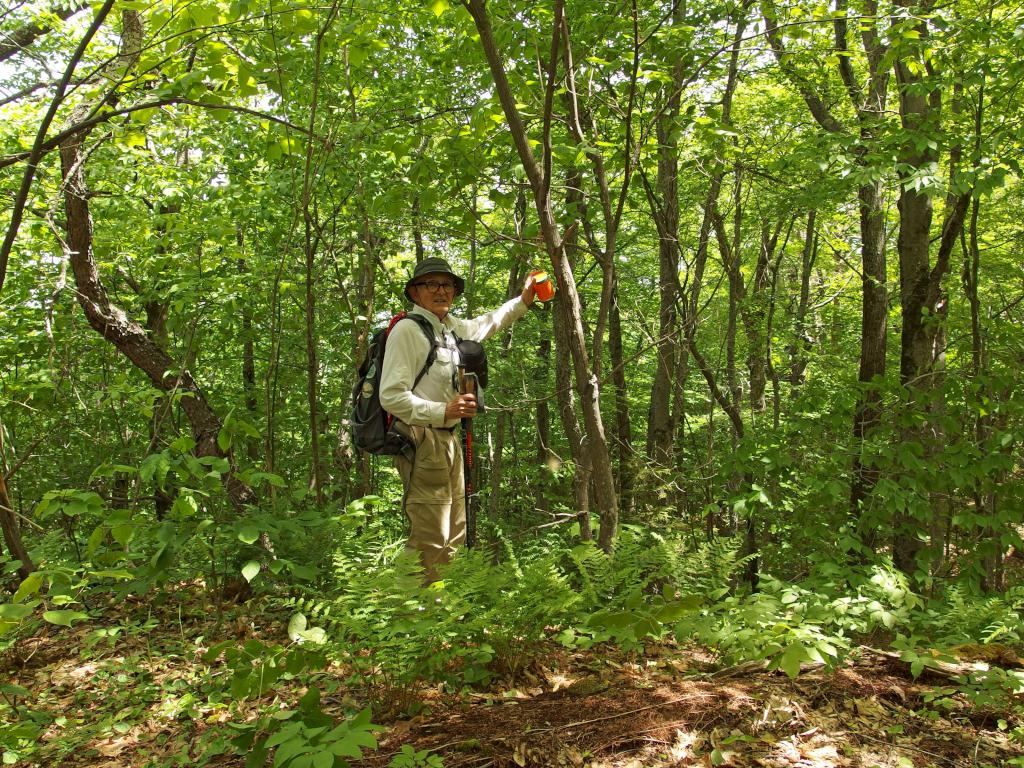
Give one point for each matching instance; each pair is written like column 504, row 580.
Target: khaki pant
column 435, row 496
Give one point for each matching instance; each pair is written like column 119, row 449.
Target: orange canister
column 543, row 285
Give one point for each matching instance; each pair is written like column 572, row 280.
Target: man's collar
column 434, row 320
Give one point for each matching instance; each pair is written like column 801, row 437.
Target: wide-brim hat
column 433, row 266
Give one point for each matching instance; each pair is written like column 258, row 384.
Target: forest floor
column 130, row 693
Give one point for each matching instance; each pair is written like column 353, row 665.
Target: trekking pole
column 467, row 385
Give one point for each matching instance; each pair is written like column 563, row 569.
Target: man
column 434, row 481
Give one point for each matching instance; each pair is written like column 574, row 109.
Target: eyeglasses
column 433, row 286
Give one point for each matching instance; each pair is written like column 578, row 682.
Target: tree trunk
column 248, row 363
column 802, row 341
column 131, row 340
column 623, row 433
column 497, row 468
column 109, row 320
column 869, row 105
column 661, row 425
column 922, row 295
column 540, row 180
column 365, row 289
column 8, row 519
column 545, row 456
column 586, row 136
column 571, row 424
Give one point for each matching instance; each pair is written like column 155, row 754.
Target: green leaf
column 211, row 655
column 346, row 748
column 134, row 139
column 64, row 618
column 224, row 439
column 291, row 749
column 123, row 534
column 303, row 572
column 315, row 635
column 248, row 534
column 95, row 539
column 296, row 626
column 250, row 570
column 790, row 661
column 143, row 116
column 154, row 468
column 310, row 701
column 30, row 586
column 9, row 612
column 10, row 689
column 287, row 733
column 257, row 757
column 439, row 7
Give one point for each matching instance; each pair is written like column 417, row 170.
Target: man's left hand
column 529, row 292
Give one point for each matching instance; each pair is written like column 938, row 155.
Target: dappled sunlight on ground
column 135, row 697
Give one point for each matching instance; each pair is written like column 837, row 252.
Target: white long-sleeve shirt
column 406, row 352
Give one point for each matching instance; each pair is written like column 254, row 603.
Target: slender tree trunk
column 156, row 326
column 503, row 418
column 270, row 388
column 737, row 292
column 312, row 368
column 753, row 310
column 869, row 104
column 585, row 134
column 540, row 181
column 624, row 452
column 497, row 465
column 563, row 383
column 985, row 497
column 248, row 363
column 661, row 425
column 8, row 519
column 545, row 456
column 769, row 332
column 365, row 291
column 985, row 500
column 922, row 296
column 310, row 244
column 571, row 424
column 690, row 300
column 664, row 204
column 802, row 342
column 113, row 323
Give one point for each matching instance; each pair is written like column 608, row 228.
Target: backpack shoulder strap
column 428, row 331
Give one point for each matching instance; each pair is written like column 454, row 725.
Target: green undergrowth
column 366, row 640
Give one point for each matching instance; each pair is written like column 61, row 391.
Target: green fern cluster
column 395, row 634
column 712, row 567
column 965, row 617
column 508, row 607
column 641, row 561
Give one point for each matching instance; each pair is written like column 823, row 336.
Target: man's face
column 435, row 292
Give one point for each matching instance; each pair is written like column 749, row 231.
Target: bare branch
column 37, row 148
column 15, row 42
column 89, row 123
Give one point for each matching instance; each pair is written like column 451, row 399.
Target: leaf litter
column 118, row 703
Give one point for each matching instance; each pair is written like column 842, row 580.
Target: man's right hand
column 462, row 407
